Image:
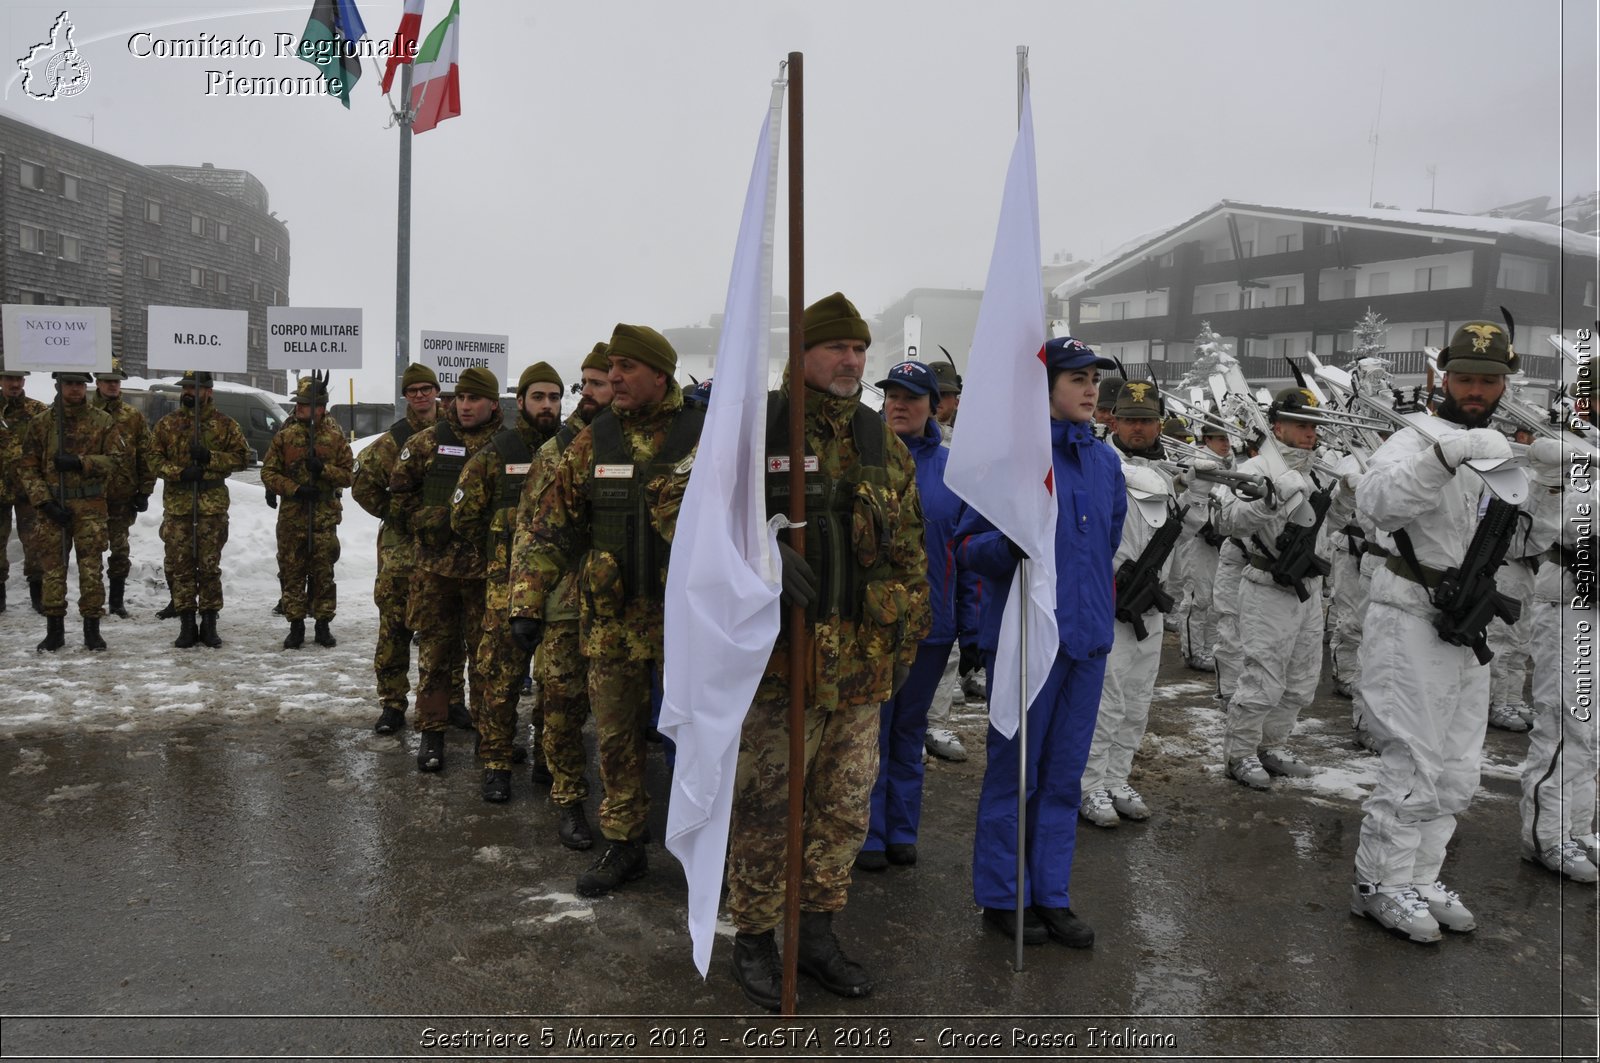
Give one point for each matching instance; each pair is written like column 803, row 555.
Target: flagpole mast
column 402, row 267
column 799, row 636
column 1021, row 585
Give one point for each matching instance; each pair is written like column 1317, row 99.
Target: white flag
column 723, row 582
column 1007, row 475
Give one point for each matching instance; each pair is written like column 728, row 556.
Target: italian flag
column 436, row 82
column 405, row 40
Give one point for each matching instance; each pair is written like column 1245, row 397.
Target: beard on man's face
column 1451, row 411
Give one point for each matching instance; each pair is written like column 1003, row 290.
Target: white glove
column 1290, row 484
column 1545, row 451
column 1205, row 465
column 1351, row 480
column 1477, row 443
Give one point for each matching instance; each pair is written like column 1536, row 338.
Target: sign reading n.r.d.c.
column 313, row 337
column 187, row 337
column 48, row 339
column 449, row 354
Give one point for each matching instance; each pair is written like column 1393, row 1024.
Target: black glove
column 56, row 512
column 199, row 454
column 902, row 672
column 68, row 463
column 192, row 474
column 971, row 659
column 527, row 633
column 1016, row 551
column 306, row 492
column 141, row 503
column 799, row 582
column 272, row 499
column 316, row 465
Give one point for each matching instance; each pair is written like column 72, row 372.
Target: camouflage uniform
column 195, row 581
column 856, row 643
column 92, row 435
column 16, row 414
column 284, row 472
column 619, row 628
column 559, row 665
column 483, row 511
column 135, row 478
column 391, row 661
column 447, row 585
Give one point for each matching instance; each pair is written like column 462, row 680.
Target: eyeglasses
column 420, row 390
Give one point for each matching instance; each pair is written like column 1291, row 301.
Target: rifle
column 1466, row 597
column 1297, row 549
column 1138, row 580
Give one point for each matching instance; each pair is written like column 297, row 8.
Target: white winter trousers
column 1508, row 672
column 1198, row 636
column 1125, row 693
column 1280, row 638
column 1558, row 778
column 1225, row 601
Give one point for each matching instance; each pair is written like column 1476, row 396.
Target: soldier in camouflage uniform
column 16, row 410
column 311, row 484
column 127, row 493
column 194, row 503
column 864, row 533
column 484, row 510
column 605, row 505
column 447, row 585
column 391, row 661
column 67, row 456
column 559, row 665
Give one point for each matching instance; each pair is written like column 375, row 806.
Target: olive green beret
column 643, row 344
column 478, row 381
column 834, row 317
column 1109, row 386
column 538, row 373
column 599, row 358
column 1480, row 347
column 417, row 373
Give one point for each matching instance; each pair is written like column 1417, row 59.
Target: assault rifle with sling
column 1138, row 579
column 1296, row 545
column 1465, row 595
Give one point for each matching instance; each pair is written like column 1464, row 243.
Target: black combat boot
column 322, row 636
column 460, row 716
column 821, row 958
column 36, row 595
column 55, row 633
column 390, row 721
column 622, row 862
column 757, row 968
column 574, row 831
column 91, row 633
column 496, row 785
column 118, row 586
column 430, row 751
column 296, row 636
column 2, row 597
column 168, row 611
column 188, row 634
column 208, row 629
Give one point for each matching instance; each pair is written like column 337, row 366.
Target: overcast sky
column 598, row 168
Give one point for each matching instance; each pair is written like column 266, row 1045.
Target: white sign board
column 189, row 337
column 313, row 337
column 47, row 339
column 449, row 354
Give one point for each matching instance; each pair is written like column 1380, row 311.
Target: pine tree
column 1369, row 335
column 1209, row 355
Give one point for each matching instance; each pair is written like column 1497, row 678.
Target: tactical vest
column 830, row 508
column 515, row 460
column 449, row 458
column 564, row 437
column 402, row 430
column 620, row 506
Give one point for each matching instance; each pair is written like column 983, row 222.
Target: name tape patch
column 782, row 464
column 614, row 472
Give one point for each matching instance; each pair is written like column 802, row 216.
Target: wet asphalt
column 218, row 889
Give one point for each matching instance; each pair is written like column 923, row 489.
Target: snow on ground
column 140, row 681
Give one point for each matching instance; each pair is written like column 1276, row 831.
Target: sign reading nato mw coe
column 49, row 339
column 189, row 337
column 313, row 337
column 449, row 354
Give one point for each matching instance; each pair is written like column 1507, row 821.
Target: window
column 1247, row 248
column 1432, row 278
column 1152, row 306
column 114, row 201
column 222, row 232
column 27, row 298
column 31, row 175
column 67, row 300
column 31, row 239
column 1222, row 301
column 152, row 211
column 255, row 243
column 197, row 224
column 1347, row 287
column 71, row 248
column 277, row 297
column 1289, row 242
column 197, row 277
column 1426, row 337
column 1289, row 295
column 1378, row 284
column 1521, row 274
column 255, row 291
column 114, row 258
column 69, row 187
column 221, row 279
column 1166, row 259
column 152, row 267
column 1286, row 347
column 275, row 257
column 255, row 338
column 1119, row 311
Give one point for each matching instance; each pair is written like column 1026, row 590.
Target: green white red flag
column 436, row 81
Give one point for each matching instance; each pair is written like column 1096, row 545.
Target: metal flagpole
column 402, row 267
column 799, row 636
column 1020, row 584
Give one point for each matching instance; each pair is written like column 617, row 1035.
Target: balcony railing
column 1537, row 367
